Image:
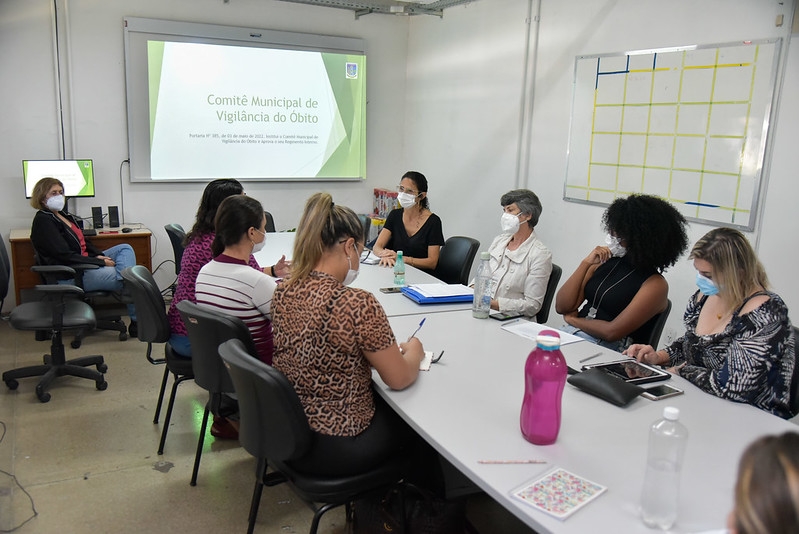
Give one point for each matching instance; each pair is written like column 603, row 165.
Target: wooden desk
column 22, row 252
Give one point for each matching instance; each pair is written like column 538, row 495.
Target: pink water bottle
column 544, row 378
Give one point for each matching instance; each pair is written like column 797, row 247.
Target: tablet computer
column 632, row 371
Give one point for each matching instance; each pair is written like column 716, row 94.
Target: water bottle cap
column 548, row 339
column 671, row 413
column 399, row 253
column 485, row 255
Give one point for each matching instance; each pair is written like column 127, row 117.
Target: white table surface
column 467, row 406
column 371, row 278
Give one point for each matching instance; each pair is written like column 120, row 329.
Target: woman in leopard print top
column 327, row 339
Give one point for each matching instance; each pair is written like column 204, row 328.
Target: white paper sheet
column 530, row 330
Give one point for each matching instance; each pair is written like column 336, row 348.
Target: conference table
column 371, row 278
column 467, row 407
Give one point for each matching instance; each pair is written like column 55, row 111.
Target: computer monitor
column 77, row 175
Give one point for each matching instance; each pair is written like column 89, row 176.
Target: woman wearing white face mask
column 228, row 282
column 617, row 291
column 413, row 228
column 328, row 337
column 738, row 343
column 520, row 263
column 58, row 240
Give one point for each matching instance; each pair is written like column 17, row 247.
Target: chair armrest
column 67, row 272
column 59, row 290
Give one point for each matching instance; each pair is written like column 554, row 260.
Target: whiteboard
column 688, row 124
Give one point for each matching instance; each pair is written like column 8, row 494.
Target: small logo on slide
column 352, row 71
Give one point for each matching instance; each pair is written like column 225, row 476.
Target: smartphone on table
column 393, row 289
column 663, row 391
column 500, row 316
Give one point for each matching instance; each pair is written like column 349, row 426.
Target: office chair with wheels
column 154, row 328
column 176, row 236
column 107, row 321
column 552, row 284
column 275, row 430
column 62, row 308
column 455, row 260
column 207, row 329
column 270, row 222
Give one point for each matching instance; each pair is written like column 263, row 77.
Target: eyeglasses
column 401, row 189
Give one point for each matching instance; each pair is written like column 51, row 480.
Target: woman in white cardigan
column 520, row 263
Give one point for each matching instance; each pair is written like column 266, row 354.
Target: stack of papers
column 438, row 293
column 369, row 258
column 530, row 330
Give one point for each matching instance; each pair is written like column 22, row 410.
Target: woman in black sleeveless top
column 738, row 342
column 615, row 294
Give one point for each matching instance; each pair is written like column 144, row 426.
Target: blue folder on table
column 419, row 298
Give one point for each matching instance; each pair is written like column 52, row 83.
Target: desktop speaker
column 113, row 216
column 97, row 217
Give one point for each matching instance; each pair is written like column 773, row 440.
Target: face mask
column 352, row 274
column 509, row 223
column 406, row 200
column 706, row 285
column 615, row 246
column 257, row 247
column 56, row 203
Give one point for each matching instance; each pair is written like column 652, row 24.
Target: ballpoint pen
column 417, row 329
column 591, row 357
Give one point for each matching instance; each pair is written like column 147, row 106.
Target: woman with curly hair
column 738, row 342
column 615, row 295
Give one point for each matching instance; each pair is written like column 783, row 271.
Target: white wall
column 95, row 80
column 446, row 97
column 442, row 68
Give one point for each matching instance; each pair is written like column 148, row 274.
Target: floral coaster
column 559, row 493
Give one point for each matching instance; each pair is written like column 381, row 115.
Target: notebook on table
column 438, row 293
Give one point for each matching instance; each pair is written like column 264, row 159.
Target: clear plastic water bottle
column 399, row 270
column 544, row 377
column 659, row 498
column 481, row 304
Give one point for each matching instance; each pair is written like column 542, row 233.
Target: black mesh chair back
column 176, row 236
column 657, row 327
column 366, row 222
column 275, row 430
column 270, row 222
column 455, row 260
column 5, row 273
column 795, row 379
column 154, row 328
column 207, row 329
column 552, row 284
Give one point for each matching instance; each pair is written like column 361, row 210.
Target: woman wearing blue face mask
column 58, row 240
column 615, row 294
column 738, row 343
column 520, row 263
column 412, row 228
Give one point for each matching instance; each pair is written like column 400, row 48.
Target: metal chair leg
column 161, row 395
column 199, row 453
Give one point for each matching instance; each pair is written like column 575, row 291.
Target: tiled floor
column 87, row 460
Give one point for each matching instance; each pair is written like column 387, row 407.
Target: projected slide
column 219, row 111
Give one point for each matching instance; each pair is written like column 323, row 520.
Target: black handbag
column 409, row 509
